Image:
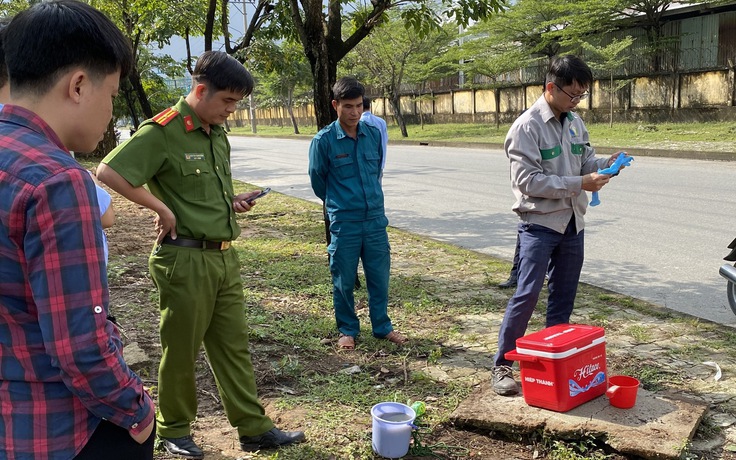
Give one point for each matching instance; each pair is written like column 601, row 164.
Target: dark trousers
column 542, row 251
column 515, row 264
column 112, row 442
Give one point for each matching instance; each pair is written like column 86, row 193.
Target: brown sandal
column 346, row 342
column 396, row 337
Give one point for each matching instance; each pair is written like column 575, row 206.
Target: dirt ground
column 130, row 241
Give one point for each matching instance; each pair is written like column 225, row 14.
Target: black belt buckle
column 197, row 244
column 221, row 245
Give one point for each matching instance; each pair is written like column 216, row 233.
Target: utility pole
column 251, row 100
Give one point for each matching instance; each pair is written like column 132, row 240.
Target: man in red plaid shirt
column 65, row 390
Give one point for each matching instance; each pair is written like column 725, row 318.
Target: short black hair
column 347, row 88
column 366, row 103
column 222, row 72
column 50, row 38
column 565, row 70
column 3, row 68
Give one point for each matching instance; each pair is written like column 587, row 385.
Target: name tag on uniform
column 342, row 155
column 194, row 156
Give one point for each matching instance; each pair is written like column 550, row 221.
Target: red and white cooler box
column 562, row 366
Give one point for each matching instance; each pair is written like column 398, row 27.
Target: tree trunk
column 293, row 120
column 395, row 102
column 290, row 109
column 130, row 102
column 324, row 75
column 497, row 96
column 421, row 110
column 209, row 27
column 321, row 61
column 135, row 81
column 610, row 120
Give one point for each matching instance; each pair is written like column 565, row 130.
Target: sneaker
column 503, row 381
column 270, row 439
column 183, row 447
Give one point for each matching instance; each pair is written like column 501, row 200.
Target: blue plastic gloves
column 621, row 160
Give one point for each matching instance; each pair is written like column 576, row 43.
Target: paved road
column 659, row 234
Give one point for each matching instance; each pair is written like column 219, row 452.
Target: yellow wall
column 463, row 101
column 651, row 92
column 407, row 104
column 485, row 101
column 443, row 103
column 532, row 94
column 700, row 90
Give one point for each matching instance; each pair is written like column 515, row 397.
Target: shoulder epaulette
column 166, row 116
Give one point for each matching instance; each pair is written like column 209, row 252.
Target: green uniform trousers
column 201, row 301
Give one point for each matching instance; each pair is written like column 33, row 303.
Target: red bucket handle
column 514, row 356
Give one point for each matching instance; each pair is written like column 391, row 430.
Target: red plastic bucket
column 622, row 391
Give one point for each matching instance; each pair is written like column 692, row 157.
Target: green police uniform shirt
column 186, row 168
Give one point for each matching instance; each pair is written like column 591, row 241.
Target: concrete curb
column 668, row 153
column 646, row 152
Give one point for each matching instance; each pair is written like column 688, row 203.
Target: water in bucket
column 392, row 425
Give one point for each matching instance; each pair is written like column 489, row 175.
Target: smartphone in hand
column 263, row 193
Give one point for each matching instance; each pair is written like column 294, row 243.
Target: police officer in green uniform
column 183, row 155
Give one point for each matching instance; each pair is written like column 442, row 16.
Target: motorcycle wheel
column 731, row 293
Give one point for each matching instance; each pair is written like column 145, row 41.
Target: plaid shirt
column 61, row 362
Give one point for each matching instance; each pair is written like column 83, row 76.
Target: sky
column 177, row 49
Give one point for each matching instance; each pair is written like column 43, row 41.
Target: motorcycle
column 728, row 271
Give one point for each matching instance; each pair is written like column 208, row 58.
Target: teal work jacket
column 345, row 172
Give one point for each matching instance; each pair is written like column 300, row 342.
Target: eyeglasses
column 574, row 99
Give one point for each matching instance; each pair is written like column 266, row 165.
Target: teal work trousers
column 365, row 241
column 201, row 302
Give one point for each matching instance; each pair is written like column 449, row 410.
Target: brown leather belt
column 199, row 244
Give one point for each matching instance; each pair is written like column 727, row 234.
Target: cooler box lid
column 560, row 341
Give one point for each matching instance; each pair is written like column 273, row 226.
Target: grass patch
column 639, row 333
column 443, row 297
column 585, row 449
column 715, row 136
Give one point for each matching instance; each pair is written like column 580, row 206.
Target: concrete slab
column 658, row 427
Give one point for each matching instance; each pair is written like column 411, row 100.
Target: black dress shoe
column 183, row 447
column 509, row 283
column 270, row 439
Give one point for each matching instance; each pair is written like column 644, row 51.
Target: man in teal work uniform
column 345, row 172
column 184, row 157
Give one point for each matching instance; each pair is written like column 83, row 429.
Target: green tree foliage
column 493, row 60
column 389, row 54
column 321, row 32
column 531, row 29
column 283, row 75
column 8, row 8
column 607, row 59
column 149, row 23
